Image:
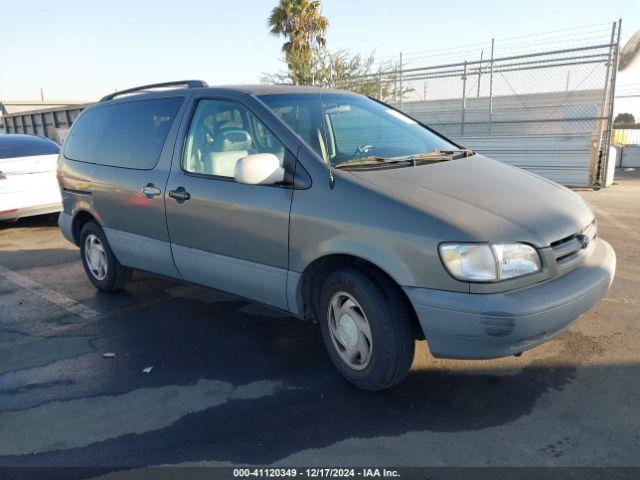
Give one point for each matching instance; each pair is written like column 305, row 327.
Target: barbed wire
column 548, row 82
column 568, row 37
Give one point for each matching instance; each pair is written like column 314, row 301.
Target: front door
column 227, row 235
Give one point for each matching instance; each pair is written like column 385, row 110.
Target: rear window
column 129, row 135
column 12, row 146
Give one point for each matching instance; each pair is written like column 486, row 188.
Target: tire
column 349, row 296
column 96, row 253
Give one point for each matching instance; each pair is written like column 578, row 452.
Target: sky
column 81, row 50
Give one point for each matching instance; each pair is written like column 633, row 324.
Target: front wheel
column 366, row 329
column 100, row 264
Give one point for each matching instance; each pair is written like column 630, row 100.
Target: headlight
column 470, row 262
column 481, row 262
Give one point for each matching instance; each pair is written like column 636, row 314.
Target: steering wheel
column 363, row 149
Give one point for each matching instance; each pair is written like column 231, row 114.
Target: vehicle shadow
column 296, row 399
column 48, row 220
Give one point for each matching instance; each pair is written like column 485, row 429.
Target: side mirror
column 259, row 169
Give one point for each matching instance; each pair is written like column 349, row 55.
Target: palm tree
column 301, row 22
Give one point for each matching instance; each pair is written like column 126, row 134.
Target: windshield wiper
column 439, row 155
column 364, row 161
column 433, row 156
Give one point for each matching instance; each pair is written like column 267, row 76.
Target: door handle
column 180, row 194
column 150, row 190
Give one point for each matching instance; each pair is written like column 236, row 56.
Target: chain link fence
column 544, row 102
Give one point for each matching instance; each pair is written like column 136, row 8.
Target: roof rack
column 179, row 83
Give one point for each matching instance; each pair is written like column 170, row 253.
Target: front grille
column 567, row 248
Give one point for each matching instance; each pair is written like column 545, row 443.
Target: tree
column 302, row 24
column 310, row 63
column 362, row 74
column 624, row 119
column 342, row 69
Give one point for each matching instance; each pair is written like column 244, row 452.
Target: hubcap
column 349, row 330
column 95, row 256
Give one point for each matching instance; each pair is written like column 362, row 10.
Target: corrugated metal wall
column 553, row 134
column 52, row 123
column 524, row 114
column 563, row 158
column 542, row 102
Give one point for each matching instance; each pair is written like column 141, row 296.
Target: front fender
column 384, row 258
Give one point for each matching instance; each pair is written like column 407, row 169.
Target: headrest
column 233, row 139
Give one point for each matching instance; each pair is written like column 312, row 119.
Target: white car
column 28, row 183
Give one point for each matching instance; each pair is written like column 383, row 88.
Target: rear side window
column 129, row 135
column 13, row 146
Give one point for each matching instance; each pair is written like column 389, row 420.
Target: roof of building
column 10, row 107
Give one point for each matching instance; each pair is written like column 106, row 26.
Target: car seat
column 230, row 145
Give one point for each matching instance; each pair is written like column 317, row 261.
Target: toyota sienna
column 333, row 207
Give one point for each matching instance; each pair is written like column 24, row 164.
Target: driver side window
column 221, row 133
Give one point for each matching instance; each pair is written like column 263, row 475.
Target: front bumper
column 478, row 326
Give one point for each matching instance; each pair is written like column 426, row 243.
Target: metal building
column 48, row 118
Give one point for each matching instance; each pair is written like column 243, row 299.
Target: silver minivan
column 333, row 207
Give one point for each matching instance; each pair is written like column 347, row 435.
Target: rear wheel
column 100, row 264
column 366, row 329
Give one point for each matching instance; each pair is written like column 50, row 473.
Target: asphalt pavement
column 233, row 383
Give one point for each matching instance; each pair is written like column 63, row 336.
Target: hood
column 487, row 199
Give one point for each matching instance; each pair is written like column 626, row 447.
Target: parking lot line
column 59, row 299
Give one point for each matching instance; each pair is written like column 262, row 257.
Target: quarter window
column 129, row 134
column 221, row 133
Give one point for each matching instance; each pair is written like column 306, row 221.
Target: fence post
column 491, row 86
column 464, row 97
column 479, row 73
column 401, row 87
column 605, row 112
column 612, row 96
column 395, row 83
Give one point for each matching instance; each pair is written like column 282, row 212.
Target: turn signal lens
column 516, row 259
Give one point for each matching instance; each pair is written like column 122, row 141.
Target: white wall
column 630, row 156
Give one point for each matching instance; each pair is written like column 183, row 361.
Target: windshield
column 344, row 128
